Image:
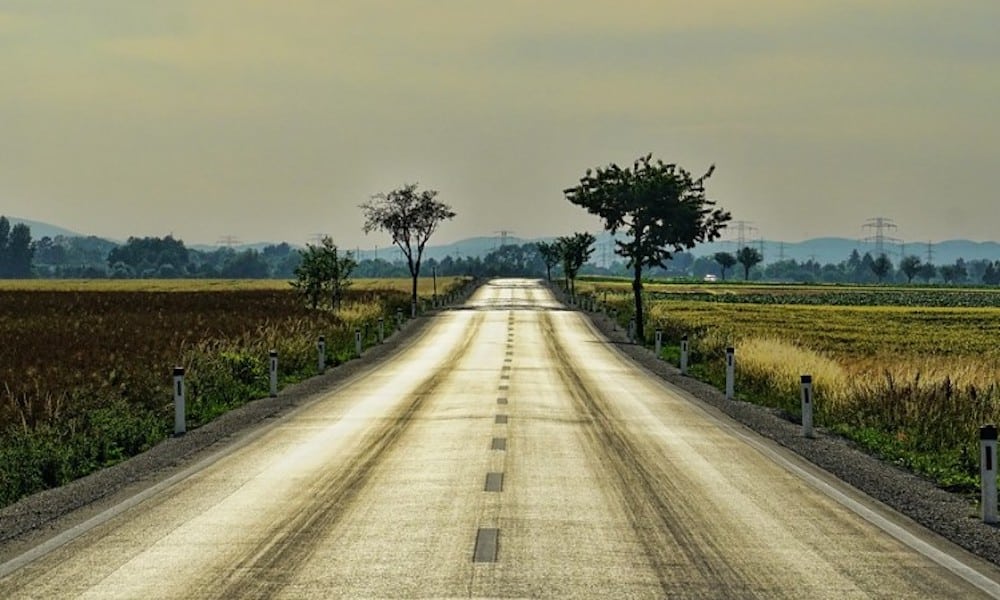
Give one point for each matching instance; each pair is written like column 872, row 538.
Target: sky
column 274, row 120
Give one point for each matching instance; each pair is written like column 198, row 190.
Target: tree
column 323, row 273
column 927, row 272
column 410, row 217
column 881, row 267
column 574, row 250
column 147, row 255
column 726, row 261
column 19, row 252
column 661, row 208
column 953, row 273
column 248, row 264
column 550, row 254
column 910, row 266
column 991, row 274
column 748, row 257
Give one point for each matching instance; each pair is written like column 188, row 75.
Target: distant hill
column 823, row 250
column 40, row 230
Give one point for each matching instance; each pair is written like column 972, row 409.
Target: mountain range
column 823, row 250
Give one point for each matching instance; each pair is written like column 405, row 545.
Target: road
column 507, row 451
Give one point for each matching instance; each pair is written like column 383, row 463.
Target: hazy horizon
column 274, row 121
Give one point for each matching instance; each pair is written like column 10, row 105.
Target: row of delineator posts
column 987, row 433
column 180, row 408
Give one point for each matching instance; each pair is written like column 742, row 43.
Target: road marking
column 504, row 388
column 501, row 420
column 487, row 545
column 494, row 482
column 501, row 400
column 499, row 444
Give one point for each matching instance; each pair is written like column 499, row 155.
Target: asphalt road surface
column 507, row 451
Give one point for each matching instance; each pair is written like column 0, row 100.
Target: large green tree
column 410, row 217
column 726, row 261
column 910, row 266
column 881, row 267
column 660, row 207
column 748, row 256
column 574, row 251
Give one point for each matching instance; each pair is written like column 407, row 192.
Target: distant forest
column 64, row 257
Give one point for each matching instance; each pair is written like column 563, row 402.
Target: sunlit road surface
column 508, row 451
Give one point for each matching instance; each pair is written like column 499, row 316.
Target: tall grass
column 912, row 386
column 85, row 376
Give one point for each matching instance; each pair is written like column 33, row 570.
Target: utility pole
column 504, row 234
column 228, row 241
column 930, row 252
column 781, row 251
column 879, row 226
column 744, row 231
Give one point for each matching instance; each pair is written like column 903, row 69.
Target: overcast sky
column 273, row 120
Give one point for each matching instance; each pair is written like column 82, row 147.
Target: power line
column 228, row 241
column 879, row 226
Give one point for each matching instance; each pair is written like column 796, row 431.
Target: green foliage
column 726, row 261
column 573, row 251
column 748, row 257
column 410, row 217
column 323, row 274
column 550, row 255
column 661, row 208
column 16, row 250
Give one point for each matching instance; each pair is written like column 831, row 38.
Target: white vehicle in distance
column 711, row 278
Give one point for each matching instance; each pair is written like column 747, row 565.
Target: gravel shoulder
column 42, row 516
column 952, row 516
column 49, row 513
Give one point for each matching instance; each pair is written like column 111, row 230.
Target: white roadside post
column 274, row 372
column 399, row 318
column 413, row 309
column 321, row 351
column 988, row 472
column 180, row 422
column 381, row 330
column 807, row 406
column 659, row 342
column 684, row 354
column 614, row 319
column 631, row 330
column 730, row 373
column 357, row 341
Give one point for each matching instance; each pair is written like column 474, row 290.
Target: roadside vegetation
column 909, row 374
column 85, row 367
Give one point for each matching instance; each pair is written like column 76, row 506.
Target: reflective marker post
column 399, row 318
column 321, row 350
column 274, row 372
column 730, row 373
column 180, row 424
column 988, row 472
column 381, row 330
column 684, row 355
column 659, row 342
column 357, row 342
column 807, row 406
column 631, row 330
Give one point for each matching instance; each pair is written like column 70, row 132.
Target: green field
column 909, row 373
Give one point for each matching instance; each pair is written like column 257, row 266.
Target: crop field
column 909, row 373
column 85, row 367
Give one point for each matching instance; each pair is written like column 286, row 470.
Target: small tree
column 661, row 208
column 910, row 266
column 748, row 257
column 323, row 273
column 410, row 217
column 726, row 261
column 550, row 255
column 881, row 267
column 574, row 250
column 927, row 272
